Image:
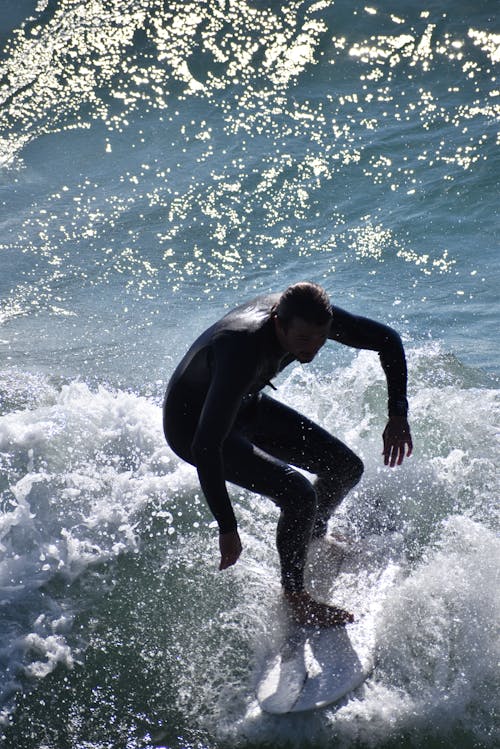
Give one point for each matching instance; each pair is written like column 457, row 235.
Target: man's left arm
column 364, row 333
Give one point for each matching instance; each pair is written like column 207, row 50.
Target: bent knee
column 351, row 471
column 357, row 469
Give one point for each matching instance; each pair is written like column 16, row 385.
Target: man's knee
column 347, row 474
column 356, row 469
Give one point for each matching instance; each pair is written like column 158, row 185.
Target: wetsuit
column 217, row 419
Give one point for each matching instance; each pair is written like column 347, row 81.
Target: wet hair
column 306, row 300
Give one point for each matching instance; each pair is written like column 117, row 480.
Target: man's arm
column 364, row 333
column 230, row 376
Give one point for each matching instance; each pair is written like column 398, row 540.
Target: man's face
column 301, row 338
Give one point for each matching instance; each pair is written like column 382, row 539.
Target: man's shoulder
column 248, row 317
column 258, row 307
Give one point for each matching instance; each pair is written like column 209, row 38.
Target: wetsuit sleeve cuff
column 398, row 408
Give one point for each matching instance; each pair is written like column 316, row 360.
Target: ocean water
column 159, row 163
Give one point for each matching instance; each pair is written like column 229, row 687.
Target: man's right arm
column 231, row 371
column 362, row 332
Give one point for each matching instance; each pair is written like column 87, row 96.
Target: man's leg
column 288, row 435
column 250, row 467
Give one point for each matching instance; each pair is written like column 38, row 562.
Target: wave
column 92, row 496
column 77, row 468
column 70, row 66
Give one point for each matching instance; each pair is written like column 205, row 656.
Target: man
column 217, row 418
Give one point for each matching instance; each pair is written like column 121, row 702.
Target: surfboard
column 306, row 668
column 314, row 668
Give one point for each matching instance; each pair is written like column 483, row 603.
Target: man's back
column 247, row 336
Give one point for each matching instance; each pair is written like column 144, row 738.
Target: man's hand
column 230, row 549
column 397, row 438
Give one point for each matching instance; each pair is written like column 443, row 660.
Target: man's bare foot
column 333, row 538
column 305, row 610
column 339, row 538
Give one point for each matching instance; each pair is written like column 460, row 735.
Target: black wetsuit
column 217, row 419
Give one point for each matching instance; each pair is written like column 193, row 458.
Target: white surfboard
column 315, row 668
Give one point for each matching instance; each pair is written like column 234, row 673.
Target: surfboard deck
column 314, row 668
column 309, row 668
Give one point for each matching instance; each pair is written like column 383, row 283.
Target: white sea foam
column 80, row 469
column 436, row 649
column 86, row 467
column 422, row 564
column 164, row 161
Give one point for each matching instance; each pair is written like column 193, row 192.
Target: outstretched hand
column 230, row 549
column 397, row 441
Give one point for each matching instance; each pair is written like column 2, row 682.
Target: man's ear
column 280, row 329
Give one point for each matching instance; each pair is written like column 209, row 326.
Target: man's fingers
column 386, row 452
column 389, row 453
column 226, row 562
column 409, row 446
column 227, row 559
column 394, row 453
column 401, row 453
column 397, row 443
column 230, row 549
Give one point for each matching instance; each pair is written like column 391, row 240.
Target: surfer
column 217, row 418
